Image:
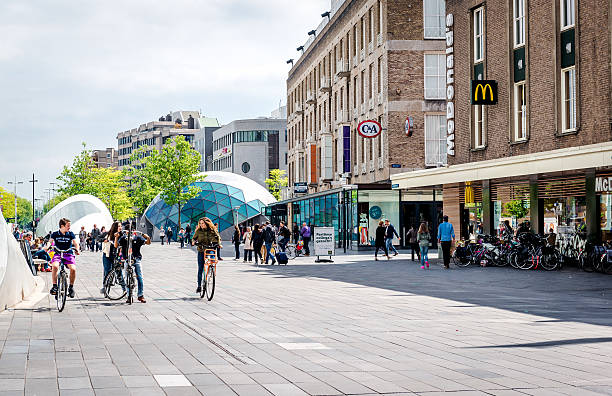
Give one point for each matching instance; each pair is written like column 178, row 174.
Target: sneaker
column 395, row 254
column 141, row 299
column 102, row 291
column 199, row 290
column 53, row 290
column 70, row 291
column 376, row 258
column 427, row 264
column 422, row 267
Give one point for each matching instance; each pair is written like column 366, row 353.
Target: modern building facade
column 107, row 158
column 203, row 142
column 371, row 60
column 251, row 148
column 544, row 144
column 153, row 135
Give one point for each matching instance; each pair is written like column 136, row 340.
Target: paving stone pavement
column 352, row 327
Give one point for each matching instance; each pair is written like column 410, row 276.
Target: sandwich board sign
column 324, row 243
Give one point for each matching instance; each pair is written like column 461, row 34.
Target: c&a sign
column 369, row 128
column 484, row 92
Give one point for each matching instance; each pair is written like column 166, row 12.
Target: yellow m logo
column 483, row 90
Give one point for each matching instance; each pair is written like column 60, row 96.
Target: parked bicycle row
column 532, row 251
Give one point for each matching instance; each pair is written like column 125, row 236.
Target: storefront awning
column 568, row 159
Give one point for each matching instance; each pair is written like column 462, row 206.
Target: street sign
column 395, row 185
column 300, row 187
column 324, row 242
column 396, row 165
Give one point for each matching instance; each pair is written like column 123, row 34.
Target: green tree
column 276, row 181
column 173, row 170
column 24, row 207
column 138, row 178
column 517, row 208
column 77, row 178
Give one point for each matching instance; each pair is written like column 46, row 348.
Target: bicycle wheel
column 606, row 266
column 130, row 285
column 523, row 262
column 462, row 261
column 203, row 289
column 549, row 262
column 62, row 291
column 114, row 286
column 210, row 282
column 290, row 251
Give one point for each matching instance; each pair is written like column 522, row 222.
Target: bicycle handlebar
column 63, row 251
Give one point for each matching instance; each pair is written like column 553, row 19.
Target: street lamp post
column 15, row 183
column 33, row 181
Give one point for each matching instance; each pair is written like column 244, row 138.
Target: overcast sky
column 84, row 70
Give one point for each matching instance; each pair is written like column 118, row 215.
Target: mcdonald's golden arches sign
column 484, row 92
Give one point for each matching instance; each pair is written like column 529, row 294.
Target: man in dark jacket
column 285, row 236
column 269, row 238
column 389, row 237
column 95, row 235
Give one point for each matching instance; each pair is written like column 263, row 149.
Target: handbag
column 106, row 248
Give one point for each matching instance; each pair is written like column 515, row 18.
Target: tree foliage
column 172, row 171
column 24, row 207
column 276, row 181
column 517, row 208
column 107, row 184
column 139, row 186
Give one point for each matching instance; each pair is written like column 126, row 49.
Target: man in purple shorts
column 63, row 239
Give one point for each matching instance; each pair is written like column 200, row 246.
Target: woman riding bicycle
column 205, row 235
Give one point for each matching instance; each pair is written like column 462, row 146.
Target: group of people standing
column 91, row 240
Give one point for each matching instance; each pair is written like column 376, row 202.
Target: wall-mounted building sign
column 300, row 187
column 603, row 184
column 450, row 88
column 408, row 126
column 369, row 128
column 396, row 166
column 484, row 92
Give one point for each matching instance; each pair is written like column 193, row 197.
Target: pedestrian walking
column 181, row 237
column 108, row 250
column 169, row 235
column 296, row 233
column 188, row 234
column 424, row 238
column 380, row 242
column 247, row 238
column 269, row 238
column 284, row 236
column 82, row 239
column 236, row 241
column 219, row 247
column 446, row 236
column 257, row 238
column 390, row 232
column 305, row 234
column 411, row 237
column 95, row 235
column 162, row 235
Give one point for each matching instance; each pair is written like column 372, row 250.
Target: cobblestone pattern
column 352, row 327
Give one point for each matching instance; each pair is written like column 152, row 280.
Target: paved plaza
column 355, row 327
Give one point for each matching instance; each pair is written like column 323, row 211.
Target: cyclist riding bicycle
column 63, row 239
column 204, row 236
column 138, row 239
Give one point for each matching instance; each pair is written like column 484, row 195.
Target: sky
column 74, row 71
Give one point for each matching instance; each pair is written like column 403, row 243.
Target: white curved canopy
column 82, row 210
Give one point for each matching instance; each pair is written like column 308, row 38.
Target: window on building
column 520, row 112
column 568, row 99
column 371, row 81
column 380, row 80
column 380, row 16
column 568, row 13
column 479, row 126
column 435, row 76
column 519, row 23
column 478, row 35
column 435, row 140
column 434, row 14
column 370, row 21
column 362, row 87
column 355, row 92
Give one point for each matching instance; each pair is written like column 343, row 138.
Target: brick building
column 546, row 143
column 379, row 60
column 106, row 158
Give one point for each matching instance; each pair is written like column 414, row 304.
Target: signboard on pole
column 324, row 243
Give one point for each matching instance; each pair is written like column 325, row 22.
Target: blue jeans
column 200, row 267
column 138, row 272
column 108, row 265
column 390, row 246
column 268, row 252
column 424, row 256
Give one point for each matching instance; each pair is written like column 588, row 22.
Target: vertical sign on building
column 313, row 163
column 450, row 88
column 346, row 147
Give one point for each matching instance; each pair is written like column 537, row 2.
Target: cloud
column 73, row 71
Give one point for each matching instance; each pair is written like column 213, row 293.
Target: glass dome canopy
column 226, row 198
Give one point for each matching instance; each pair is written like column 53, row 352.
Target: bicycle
column 62, row 280
column 294, row 250
column 210, row 271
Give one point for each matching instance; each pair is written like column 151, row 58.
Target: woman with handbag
column 248, row 245
column 424, row 238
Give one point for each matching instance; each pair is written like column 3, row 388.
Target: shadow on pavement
column 545, row 344
column 567, row 295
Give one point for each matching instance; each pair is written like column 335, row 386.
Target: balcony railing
column 342, row 68
column 299, row 109
column 311, row 98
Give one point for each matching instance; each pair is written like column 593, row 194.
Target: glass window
column 479, row 125
column 568, row 98
column 519, row 22
column 478, row 35
column 435, row 76
column 568, row 13
column 433, row 18
column 520, row 112
column 435, row 140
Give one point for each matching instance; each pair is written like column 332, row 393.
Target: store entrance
column 415, row 213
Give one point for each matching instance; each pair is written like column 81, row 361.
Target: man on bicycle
column 63, row 239
column 138, row 240
column 285, row 236
column 205, row 236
